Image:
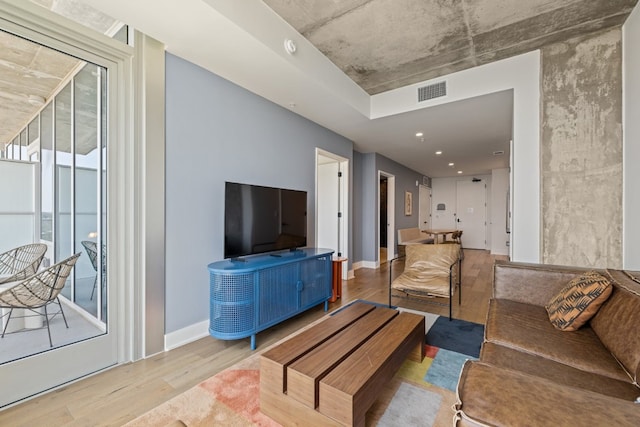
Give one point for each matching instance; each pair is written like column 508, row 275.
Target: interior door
column 471, row 213
column 424, row 209
column 328, row 204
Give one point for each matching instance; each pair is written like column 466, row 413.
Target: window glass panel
column 34, row 130
column 15, row 146
column 86, row 102
column 46, row 174
column 86, row 15
column 63, row 194
column 23, row 145
column 33, row 139
column 103, row 181
column 68, row 136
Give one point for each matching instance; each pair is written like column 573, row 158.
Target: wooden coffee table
column 330, row 374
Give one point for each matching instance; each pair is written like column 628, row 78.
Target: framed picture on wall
column 408, row 202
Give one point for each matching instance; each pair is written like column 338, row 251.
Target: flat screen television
column 261, row 219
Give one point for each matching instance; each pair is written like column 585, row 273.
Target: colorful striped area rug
column 420, row 394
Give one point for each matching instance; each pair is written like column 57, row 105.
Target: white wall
column 217, row 132
column 443, row 190
column 498, row 203
column 631, row 141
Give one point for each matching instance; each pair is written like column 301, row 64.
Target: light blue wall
column 405, row 180
column 369, row 208
column 356, row 206
column 217, row 132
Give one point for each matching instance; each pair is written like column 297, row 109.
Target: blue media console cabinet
column 255, row 292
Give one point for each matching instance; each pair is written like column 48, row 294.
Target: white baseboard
column 351, row 274
column 369, row 264
column 186, row 335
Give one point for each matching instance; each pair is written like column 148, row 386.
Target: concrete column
column 581, row 151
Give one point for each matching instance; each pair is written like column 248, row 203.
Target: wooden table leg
column 336, row 282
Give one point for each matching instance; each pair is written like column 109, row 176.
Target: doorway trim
column 391, row 216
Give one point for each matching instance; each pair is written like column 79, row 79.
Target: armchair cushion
column 578, row 301
column 427, row 269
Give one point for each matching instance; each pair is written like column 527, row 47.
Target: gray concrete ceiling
column 31, row 73
column 386, row 44
column 379, row 44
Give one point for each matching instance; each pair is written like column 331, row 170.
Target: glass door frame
column 36, row 374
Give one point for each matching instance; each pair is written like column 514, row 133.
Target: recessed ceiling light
column 459, row 171
column 419, row 134
column 438, row 153
column 451, row 164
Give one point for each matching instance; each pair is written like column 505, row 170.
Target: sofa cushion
column 526, row 327
column 616, row 323
column 488, row 395
column 578, row 301
column 508, row 358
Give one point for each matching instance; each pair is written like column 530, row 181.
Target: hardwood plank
column 119, row 386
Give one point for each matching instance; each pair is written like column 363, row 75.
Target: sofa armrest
column 531, row 283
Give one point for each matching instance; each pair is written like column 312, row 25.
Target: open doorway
column 332, row 194
column 386, row 217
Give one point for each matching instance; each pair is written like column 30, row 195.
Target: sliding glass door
column 55, row 132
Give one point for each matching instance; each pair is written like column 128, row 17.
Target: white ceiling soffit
column 243, row 42
column 213, row 34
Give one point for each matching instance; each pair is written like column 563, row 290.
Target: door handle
column 458, row 220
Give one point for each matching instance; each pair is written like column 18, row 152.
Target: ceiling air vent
column 435, row 90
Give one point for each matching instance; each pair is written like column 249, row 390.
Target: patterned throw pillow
column 577, row 302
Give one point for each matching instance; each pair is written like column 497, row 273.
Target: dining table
column 437, row 232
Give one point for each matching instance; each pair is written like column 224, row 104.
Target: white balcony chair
column 21, row 262
column 38, row 291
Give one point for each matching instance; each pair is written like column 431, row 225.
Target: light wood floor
column 120, row 394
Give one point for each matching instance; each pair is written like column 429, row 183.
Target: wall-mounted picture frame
column 408, row 203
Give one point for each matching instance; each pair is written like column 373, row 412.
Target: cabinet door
column 315, row 275
column 278, row 293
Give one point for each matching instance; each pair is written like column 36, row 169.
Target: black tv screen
column 261, row 219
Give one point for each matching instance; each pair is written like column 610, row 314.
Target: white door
column 332, row 213
column 70, row 148
column 424, row 209
column 328, row 204
column 470, row 214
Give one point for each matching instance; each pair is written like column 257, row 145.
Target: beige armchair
column 21, row 262
column 430, row 271
column 38, row 291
